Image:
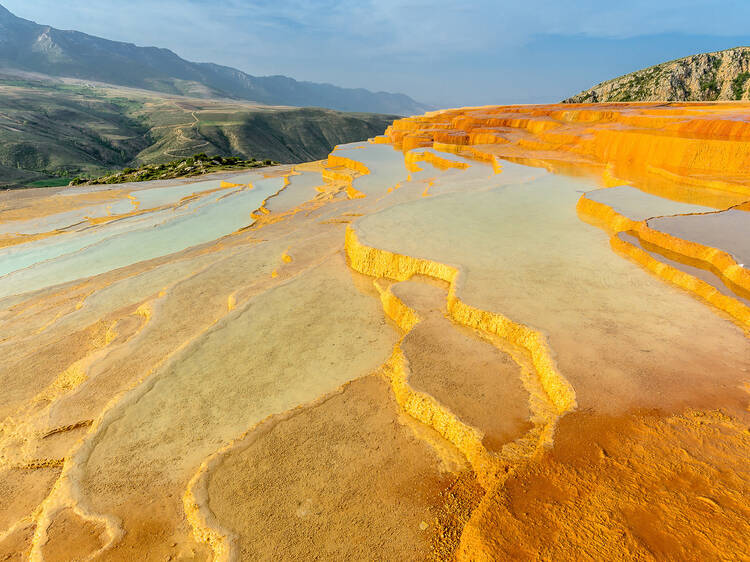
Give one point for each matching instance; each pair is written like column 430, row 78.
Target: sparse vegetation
column 195, row 165
column 710, row 87
column 738, row 85
column 709, row 84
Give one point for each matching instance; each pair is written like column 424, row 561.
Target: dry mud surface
column 493, row 333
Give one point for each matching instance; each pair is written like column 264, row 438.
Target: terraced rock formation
column 492, row 333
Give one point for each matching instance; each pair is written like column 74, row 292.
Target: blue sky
column 446, row 53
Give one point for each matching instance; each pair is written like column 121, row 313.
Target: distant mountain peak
column 30, row 47
column 719, row 75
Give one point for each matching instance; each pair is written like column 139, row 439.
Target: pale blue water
column 110, row 246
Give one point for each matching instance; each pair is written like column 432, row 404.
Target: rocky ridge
column 722, row 75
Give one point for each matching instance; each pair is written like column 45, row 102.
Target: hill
column 722, row 75
column 30, row 47
column 61, row 130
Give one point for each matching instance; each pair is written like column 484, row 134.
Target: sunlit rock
column 511, row 332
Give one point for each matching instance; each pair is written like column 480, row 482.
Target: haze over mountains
column 721, row 75
column 30, row 47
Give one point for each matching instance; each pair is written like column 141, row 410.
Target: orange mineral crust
column 708, row 144
column 493, row 333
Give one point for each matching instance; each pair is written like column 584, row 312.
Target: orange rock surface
column 495, row 333
column 705, row 145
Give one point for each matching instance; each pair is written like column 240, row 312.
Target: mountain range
column 29, row 47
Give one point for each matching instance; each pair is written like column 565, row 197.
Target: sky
column 443, row 53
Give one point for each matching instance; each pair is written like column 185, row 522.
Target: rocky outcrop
column 723, row 75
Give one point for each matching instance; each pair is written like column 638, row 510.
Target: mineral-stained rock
column 492, row 333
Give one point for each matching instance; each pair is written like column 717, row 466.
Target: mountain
column 30, row 47
column 60, row 130
column 722, row 75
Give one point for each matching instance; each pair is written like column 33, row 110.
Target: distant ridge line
column 30, row 47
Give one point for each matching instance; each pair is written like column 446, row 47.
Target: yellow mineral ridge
column 492, row 333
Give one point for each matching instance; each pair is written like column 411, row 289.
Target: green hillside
column 56, row 129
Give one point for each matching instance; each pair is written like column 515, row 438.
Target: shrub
column 710, row 87
column 738, row 85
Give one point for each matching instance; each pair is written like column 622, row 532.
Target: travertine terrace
column 492, row 333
